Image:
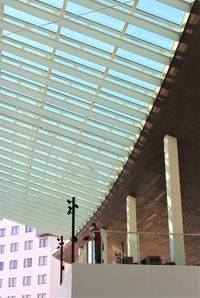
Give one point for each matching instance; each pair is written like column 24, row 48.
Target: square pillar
column 132, row 244
column 104, row 246
column 174, row 206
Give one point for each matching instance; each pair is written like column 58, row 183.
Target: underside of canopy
column 78, row 80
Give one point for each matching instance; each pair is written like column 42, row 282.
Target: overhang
column 78, row 79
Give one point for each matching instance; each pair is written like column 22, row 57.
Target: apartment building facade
column 27, row 268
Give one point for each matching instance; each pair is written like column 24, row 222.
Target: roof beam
column 152, row 72
column 51, row 150
column 66, row 48
column 53, row 130
column 70, row 22
column 86, row 181
column 31, row 218
column 122, row 125
column 31, row 202
column 86, row 93
column 85, row 76
column 21, row 171
column 35, row 217
column 125, row 17
column 81, row 192
column 32, row 155
column 71, row 104
column 86, row 125
column 76, row 135
column 34, row 195
column 179, row 4
column 87, row 205
column 50, row 195
column 31, row 194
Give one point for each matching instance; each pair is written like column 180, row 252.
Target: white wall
column 132, row 281
column 65, row 288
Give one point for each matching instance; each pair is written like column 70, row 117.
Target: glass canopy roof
column 78, row 79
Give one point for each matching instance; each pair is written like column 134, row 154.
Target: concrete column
column 175, row 218
column 81, row 255
column 132, row 244
column 90, row 252
column 104, row 246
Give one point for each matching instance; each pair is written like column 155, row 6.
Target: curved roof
column 78, row 79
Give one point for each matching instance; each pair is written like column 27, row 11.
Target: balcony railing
column 139, row 248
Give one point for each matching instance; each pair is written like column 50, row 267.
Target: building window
column 1, row 283
column 42, row 295
column 28, row 229
column 14, row 247
column 42, row 279
column 12, row 282
column 27, row 262
column 15, row 230
column 43, row 242
column 2, row 232
column 28, row 244
column 26, row 280
column 26, row 296
column 42, row 260
column 1, row 266
column 2, row 249
column 13, row 264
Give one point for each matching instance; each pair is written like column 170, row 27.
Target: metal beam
column 37, row 193
column 48, row 185
column 60, row 136
column 86, row 207
column 74, row 64
column 52, row 148
column 21, row 171
column 95, row 184
column 88, row 125
column 122, row 125
column 37, row 222
column 125, row 17
column 35, row 155
column 35, row 217
column 75, row 105
column 179, row 4
column 66, row 48
column 57, row 78
column 59, row 119
column 129, row 89
column 70, row 22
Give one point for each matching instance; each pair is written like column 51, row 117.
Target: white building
column 27, row 268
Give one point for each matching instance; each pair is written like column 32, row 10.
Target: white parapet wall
column 83, row 280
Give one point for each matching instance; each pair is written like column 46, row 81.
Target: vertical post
column 81, row 255
column 93, row 247
column 73, row 229
column 175, row 218
column 71, row 210
column 61, row 243
column 104, row 246
column 131, row 228
column 61, row 259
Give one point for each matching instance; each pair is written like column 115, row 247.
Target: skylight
column 78, row 79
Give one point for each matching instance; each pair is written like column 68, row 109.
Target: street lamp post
column 61, row 243
column 71, row 210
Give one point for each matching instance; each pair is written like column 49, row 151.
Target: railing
column 141, row 248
